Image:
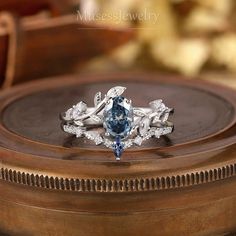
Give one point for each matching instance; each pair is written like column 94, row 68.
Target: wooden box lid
column 32, row 141
column 43, row 167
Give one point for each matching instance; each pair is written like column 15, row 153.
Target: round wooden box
column 54, row 184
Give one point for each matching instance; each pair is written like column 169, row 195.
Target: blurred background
column 44, row 38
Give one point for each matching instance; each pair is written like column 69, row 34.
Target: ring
column 115, row 123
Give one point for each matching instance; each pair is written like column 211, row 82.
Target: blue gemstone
column 118, row 117
column 118, row 148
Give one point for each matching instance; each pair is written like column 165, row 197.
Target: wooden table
column 54, row 184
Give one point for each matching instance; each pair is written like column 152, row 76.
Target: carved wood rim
column 118, row 185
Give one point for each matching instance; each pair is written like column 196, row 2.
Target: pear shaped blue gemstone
column 118, row 117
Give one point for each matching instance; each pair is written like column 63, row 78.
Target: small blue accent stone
column 118, row 116
column 118, row 148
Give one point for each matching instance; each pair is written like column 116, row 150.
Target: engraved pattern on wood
column 119, row 185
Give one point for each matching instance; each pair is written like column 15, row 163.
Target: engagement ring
column 121, row 124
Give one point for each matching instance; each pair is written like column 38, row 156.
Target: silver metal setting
column 83, row 121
